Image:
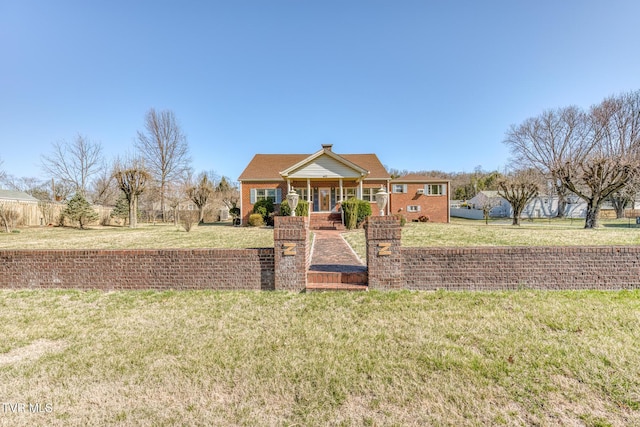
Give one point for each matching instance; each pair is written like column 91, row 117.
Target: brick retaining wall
column 218, row 269
column 503, row 268
column 390, row 265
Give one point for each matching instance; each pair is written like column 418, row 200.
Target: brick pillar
column 384, row 259
column 291, row 247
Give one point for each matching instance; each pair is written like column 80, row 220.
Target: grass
column 501, row 233
column 271, row 358
column 457, row 233
column 146, row 236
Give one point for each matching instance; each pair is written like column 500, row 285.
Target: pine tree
column 121, row 209
column 78, row 209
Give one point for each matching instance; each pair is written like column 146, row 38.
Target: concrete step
column 326, row 225
column 326, row 221
column 324, row 287
column 359, row 278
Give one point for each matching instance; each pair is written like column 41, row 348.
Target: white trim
column 336, row 157
column 241, row 211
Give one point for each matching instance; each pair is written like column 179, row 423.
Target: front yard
column 277, row 358
column 146, row 236
column 461, row 233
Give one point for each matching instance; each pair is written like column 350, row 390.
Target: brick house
column 415, row 195
column 326, row 178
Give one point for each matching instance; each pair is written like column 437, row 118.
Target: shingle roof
column 269, row 166
column 414, row 177
column 16, row 195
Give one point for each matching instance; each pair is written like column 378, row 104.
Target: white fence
column 467, row 213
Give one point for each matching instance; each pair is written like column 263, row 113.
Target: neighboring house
column 416, row 196
column 25, row 205
column 500, row 208
column 326, row 178
column 17, row 197
column 542, row 206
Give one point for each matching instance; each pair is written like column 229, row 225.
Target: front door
column 325, row 199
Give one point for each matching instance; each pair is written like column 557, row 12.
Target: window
column 413, row 208
column 266, row 194
column 369, row 194
column 350, row 192
column 302, row 192
column 435, row 189
column 273, row 194
column 399, row 188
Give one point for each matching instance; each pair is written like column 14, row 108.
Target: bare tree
column 2, row 172
column 200, row 192
column 519, row 188
column 132, row 178
column 487, row 205
column 8, row 217
column 30, row 185
column 105, row 190
column 176, row 194
column 625, row 197
column 164, row 148
column 545, row 141
column 75, row 163
column 608, row 157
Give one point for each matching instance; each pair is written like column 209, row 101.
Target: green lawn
column 272, row 358
column 501, row 233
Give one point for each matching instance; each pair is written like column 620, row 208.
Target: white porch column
column 341, row 192
column 361, row 191
column 309, row 195
column 288, row 185
column 389, row 202
column 241, row 211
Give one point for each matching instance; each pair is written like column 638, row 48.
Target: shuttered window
column 435, row 189
column 273, row 194
column 399, row 188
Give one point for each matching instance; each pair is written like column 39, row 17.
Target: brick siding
column 217, row 269
column 434, row 207
column 511, row 268
column 291, row 263
column 247, row 206
column 384, row 262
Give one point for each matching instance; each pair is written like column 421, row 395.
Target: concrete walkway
column 332, row 253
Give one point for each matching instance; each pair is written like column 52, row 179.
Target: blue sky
column 424, row 84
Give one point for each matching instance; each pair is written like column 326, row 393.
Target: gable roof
column 19, row 196
column 328, row 154
column 268, row 167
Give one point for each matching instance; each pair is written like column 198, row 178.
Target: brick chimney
column 327, row 147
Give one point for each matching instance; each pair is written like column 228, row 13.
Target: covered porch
column 328, row 195
column 326, row 179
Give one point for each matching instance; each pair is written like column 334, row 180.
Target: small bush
column 256, row 220
column 423, row 218
column 355, row 212
column 8, row 217
column 301, row 210
column 188, row 220
column 402, row 219
column 265, row 208
column 80, row 211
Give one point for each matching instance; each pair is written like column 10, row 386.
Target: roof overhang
column 291, row 172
